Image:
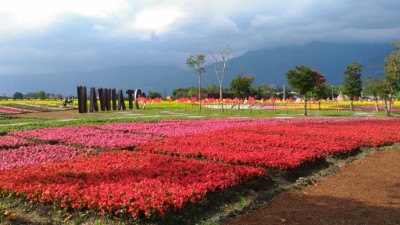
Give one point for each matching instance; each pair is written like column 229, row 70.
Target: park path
column 366, row 191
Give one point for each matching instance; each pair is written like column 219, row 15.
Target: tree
column 224, row 61
column 304, row 80
column 213, row 89
column 241, row 86
column 18, row 95
column 196, row 63
column 372, row 87
column 352, row 85
column 265, row 91
column 323, row 91
column 154, row 94
column 42, row 95
column 390, row 84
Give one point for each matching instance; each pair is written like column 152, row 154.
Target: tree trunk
column 376, row 104
column 220, row 96
column 200, row 92
column 386, row 106
column 305, row 105
column 390, row 106
column 351, row 105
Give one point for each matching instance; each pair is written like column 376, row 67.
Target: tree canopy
column 241, row 86
column 352, row 85
column 196, row 63
column 304, row 80
column 390, row 83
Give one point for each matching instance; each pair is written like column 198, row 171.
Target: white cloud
column 99, row 27
column 155, row 21
column 21, row 16
column 223, row 24
column 263, row 20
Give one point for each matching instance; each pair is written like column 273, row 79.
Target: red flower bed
column 11, row 111
column 281, row 146
column 124, row 182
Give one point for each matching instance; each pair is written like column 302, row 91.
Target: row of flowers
column 88, row 136
column 34, row 155
column 13, row 142
column 11, row 110
column 280, row 146
column 127, row 135
column 122, row 182
column 33, row 107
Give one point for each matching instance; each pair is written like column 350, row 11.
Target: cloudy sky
column 53, row 36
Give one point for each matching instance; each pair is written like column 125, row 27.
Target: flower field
column 280, row 146
column 152, row 168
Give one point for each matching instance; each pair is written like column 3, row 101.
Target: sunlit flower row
column 280, row 146
column 123, row 182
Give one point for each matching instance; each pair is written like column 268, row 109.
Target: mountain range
column 268, row 66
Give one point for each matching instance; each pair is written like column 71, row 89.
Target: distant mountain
column 268, row 67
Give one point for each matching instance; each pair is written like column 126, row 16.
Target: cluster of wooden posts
column 109, row 100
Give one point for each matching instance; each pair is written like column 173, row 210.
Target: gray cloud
column 78, row 42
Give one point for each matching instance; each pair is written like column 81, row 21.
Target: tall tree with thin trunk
column 196, row 63
column 223, row 60
column 391, row 80
column 352, row 85
column 371, row 87
column 304, row 80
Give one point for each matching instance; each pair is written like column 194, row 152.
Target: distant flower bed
column 11, row 110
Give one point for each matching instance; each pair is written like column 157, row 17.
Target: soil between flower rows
column 366, row 191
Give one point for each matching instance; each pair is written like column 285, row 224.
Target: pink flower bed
column 88, row 136
column 177, row 128
column 12, row 142
column 34, row 155
column 123, row 182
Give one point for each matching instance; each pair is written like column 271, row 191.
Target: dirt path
column 366, row 192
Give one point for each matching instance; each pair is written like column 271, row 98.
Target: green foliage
column 304, row 80
column 390, row 83
column 196, row 63
column 352, row 85
column 18, row 95
column 323, row 91
column 392, row 69
column 212, row 88
column 241, row 86
column 372, row 86
column 154, row 95
column 185, row 92
column 38, row 95
column 264, row 91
